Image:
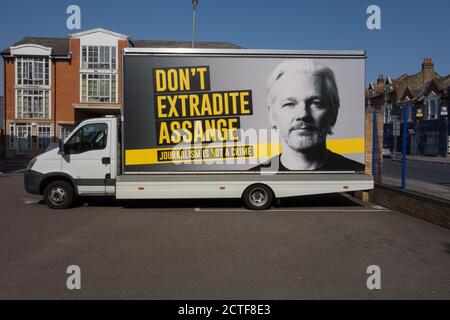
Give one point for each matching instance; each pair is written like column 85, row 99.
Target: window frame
column 39, row 65
column 99, row 80
column 40, row 137
column 66, row 135
column 29, row 144
column 74, row 133
column 20, row 103
column 12, row 137
column 91, row 57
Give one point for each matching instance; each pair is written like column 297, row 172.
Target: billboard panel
column 243, row 113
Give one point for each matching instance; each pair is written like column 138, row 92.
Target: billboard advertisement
column 223, row 113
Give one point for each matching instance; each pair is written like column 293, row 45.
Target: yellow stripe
column 346, row 146
column 262, row 151
column 150, row 156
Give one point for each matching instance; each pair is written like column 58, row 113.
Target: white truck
column 214, row 123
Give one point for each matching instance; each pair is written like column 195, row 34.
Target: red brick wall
column 9, row 90
column 369, row 144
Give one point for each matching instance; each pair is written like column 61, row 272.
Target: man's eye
column 288, row 104
column 316, row 103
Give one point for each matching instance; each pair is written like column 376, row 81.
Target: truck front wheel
column 59, row 194
column 258, row 197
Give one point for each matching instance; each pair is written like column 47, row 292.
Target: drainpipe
column 54, row 101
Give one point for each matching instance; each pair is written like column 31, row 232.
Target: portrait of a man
column 303, row 105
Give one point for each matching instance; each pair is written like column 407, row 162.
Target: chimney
column 428, row 69
column 427, row 64
column 380, row 79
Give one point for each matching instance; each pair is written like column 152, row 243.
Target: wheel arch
column 50, row 177
column 259, row 184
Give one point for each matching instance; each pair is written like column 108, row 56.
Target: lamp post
column 194, row 7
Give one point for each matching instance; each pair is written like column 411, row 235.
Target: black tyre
column 59, row 194
column 258, row 197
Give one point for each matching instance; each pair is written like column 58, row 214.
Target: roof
column 90, row 31
column 181, row 44
column 60, row 46
column 418, row 93
column 443, row 83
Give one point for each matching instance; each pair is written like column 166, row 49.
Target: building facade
column 425, row 96
column 52, row 84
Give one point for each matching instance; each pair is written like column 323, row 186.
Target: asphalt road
column 307, row 248
column 431, row 172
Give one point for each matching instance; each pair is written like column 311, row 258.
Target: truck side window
column 89, row 137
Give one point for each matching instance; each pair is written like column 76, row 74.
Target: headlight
column 31, row 163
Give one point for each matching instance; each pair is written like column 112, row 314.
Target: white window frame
column 12, row 137
column 409, row 115
column 387, row 114
column 14, row 132
column 64, row 136
column 40, row 135
column 20, row 115
column 85, row 98
column 34, row 61
column 434, row 115
column 84, row 64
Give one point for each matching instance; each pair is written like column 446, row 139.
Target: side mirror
column 61, row 147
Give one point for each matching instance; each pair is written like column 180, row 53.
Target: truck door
column 87, row 157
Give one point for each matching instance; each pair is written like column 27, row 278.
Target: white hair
column 307, row 66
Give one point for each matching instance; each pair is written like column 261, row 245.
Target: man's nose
column 301, row 110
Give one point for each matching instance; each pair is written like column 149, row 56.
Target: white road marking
column 292, row 210
column 379, row 207
column 30, row 202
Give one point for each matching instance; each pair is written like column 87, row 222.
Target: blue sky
column 411, row 30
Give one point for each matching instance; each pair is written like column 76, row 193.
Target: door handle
column 106, row 160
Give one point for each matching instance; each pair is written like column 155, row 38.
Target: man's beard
column 302, row 142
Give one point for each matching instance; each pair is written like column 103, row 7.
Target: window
column 432, row 110
column 89, row 137
column 98, row 88
column 12, row 137
column 33, row 71
column 409, row 114
column 387, row 114
column 20, row 137
column 98, row 57
column 65, row 132
column 33, row 104
column 44, row 135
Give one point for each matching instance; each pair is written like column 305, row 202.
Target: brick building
column 2, row 114
column 52, row 84
column 425, row 94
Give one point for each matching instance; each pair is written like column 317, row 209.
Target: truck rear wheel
column 59, row 194
column 258, row 197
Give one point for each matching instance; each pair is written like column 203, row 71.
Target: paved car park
column 316, row 247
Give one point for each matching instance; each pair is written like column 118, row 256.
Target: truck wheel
column 258, row 197
column 59, row 195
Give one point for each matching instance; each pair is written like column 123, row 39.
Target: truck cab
column 84, row 164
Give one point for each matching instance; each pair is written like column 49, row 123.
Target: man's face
column 299, row 111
